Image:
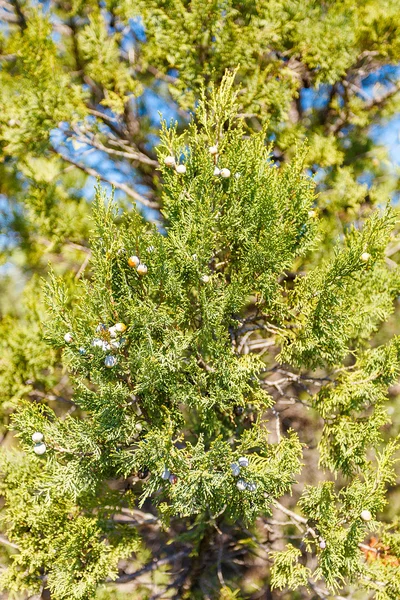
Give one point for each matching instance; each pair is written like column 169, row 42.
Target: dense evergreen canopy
column 196, row 371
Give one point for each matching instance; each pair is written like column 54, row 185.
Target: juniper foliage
column 173, row 408
column 260, row 329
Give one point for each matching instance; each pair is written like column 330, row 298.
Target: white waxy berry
column 68, row 337
column 113, row 331
column 241, row 485
column 238, row 175
column 142, row 269
column 235, row 469
column 115, row 344
column 243, row 461
column 134, row 261
column 181, row 169
column 37, row 436
column 97, row 343
column 225, row 173
column 252, row 486
column 169, row 161
column 366, row 515
column 110, row 361
column 120, row 327
column 205, row 278
column 105, row 345
column 166, row 474
column 365, row 256
column 213, row 149
column 39, row 448
column 322, row 544
column 217, row 172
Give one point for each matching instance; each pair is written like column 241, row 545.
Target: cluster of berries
column 134, row 263
column 166, row 475
column 170, row 161
column 108, row 341
column 241, row 483
column 225, row 173
column 39, row 447
column 112, row 343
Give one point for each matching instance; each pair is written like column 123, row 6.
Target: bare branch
column 83, row 266
column 373, row 103
column 120, row 186
column 7, row 17
column 290, row 513
column 137, row 156
column 20, row 15
column 6, row 542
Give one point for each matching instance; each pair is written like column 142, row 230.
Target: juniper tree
column 76, row 78
column 185, row 347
